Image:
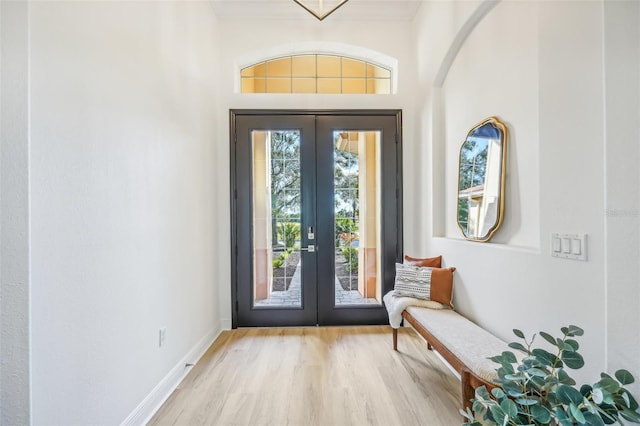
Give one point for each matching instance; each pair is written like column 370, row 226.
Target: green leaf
column 544, row 357
column 549, row 338
column 586, row 390
column 624, row 377
column 507, row 365
column 572, row 360
column 573, row 343
column 540, row 414
column 569, row 395
column 464, row 414
column 509, row 407
column 497, row 359
column 498, row 393
column 483, row 393
column 518, row 378
column 537, row 383
column 497, row 413
column 551, row 381
column 564, row 378
column 608, row 413
column 532, row 361
column 564, row 346
column 508, row 356
column 504, row 370
column 608, row 384
column 597, row 396
column 630, row 415
column 574, row 330
column 536, row 372
column 620, row 400
column 593, row 419
column 512, row 390
column 517, row 346
column 577, row 414
column 561, row 415
column 633, row 404
column 527, row 401
column 518, row 333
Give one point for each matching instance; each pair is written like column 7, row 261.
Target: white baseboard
column 152, row 403
column 225, row 323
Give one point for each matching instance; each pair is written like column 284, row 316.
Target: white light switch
column 576, row 245
column 569, row 246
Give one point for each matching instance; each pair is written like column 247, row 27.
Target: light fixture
column 321, row 8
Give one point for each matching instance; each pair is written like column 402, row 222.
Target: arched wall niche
column 438, row 120
column 470, row 24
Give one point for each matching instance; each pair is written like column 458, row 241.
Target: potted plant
column 537, row 390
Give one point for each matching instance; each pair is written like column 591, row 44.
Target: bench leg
column 395, row 339
column 468, row 392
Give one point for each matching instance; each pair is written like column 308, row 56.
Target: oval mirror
column 481, row 176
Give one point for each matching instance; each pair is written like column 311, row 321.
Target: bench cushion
column 471, row 344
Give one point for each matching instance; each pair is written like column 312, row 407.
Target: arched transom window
column 316, row 74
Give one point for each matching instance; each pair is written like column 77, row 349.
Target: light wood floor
column 315, row 376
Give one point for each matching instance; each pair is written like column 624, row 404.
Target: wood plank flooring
column 315, row 376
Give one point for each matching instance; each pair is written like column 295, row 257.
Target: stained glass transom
column 312, row 73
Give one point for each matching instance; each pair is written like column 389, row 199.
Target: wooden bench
column 463, row 344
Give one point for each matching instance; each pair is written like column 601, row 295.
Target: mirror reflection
column 481, row 176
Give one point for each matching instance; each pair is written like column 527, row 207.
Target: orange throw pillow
column 433, row 262
column 442, row 285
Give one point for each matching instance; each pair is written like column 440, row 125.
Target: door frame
column 234, row 113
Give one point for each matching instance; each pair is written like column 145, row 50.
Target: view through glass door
column 316, row 214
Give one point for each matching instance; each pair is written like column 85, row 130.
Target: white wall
column 14, row 215
column 123, row 123
column 538, row 66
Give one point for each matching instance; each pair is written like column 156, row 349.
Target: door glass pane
column 329, row 85
column 278, row 85
column 277, row 264
column 303, row 66
column 354, row 85
column 357, row 227
column 279, row 67
column 328, row 66
column 303, row 85
column 353, row 68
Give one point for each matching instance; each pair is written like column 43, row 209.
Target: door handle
column 311, row 248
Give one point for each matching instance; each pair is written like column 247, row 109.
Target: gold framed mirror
column 481, row 180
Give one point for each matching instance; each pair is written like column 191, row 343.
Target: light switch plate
column 569, row 246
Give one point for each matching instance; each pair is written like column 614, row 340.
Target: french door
column 316, row 216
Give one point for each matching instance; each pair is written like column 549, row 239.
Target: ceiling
column 353, row 10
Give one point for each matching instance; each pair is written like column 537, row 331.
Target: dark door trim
column 235, row 113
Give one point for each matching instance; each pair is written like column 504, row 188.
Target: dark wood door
column 316, row 217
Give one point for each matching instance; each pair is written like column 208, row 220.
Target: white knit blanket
column 396, row 304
